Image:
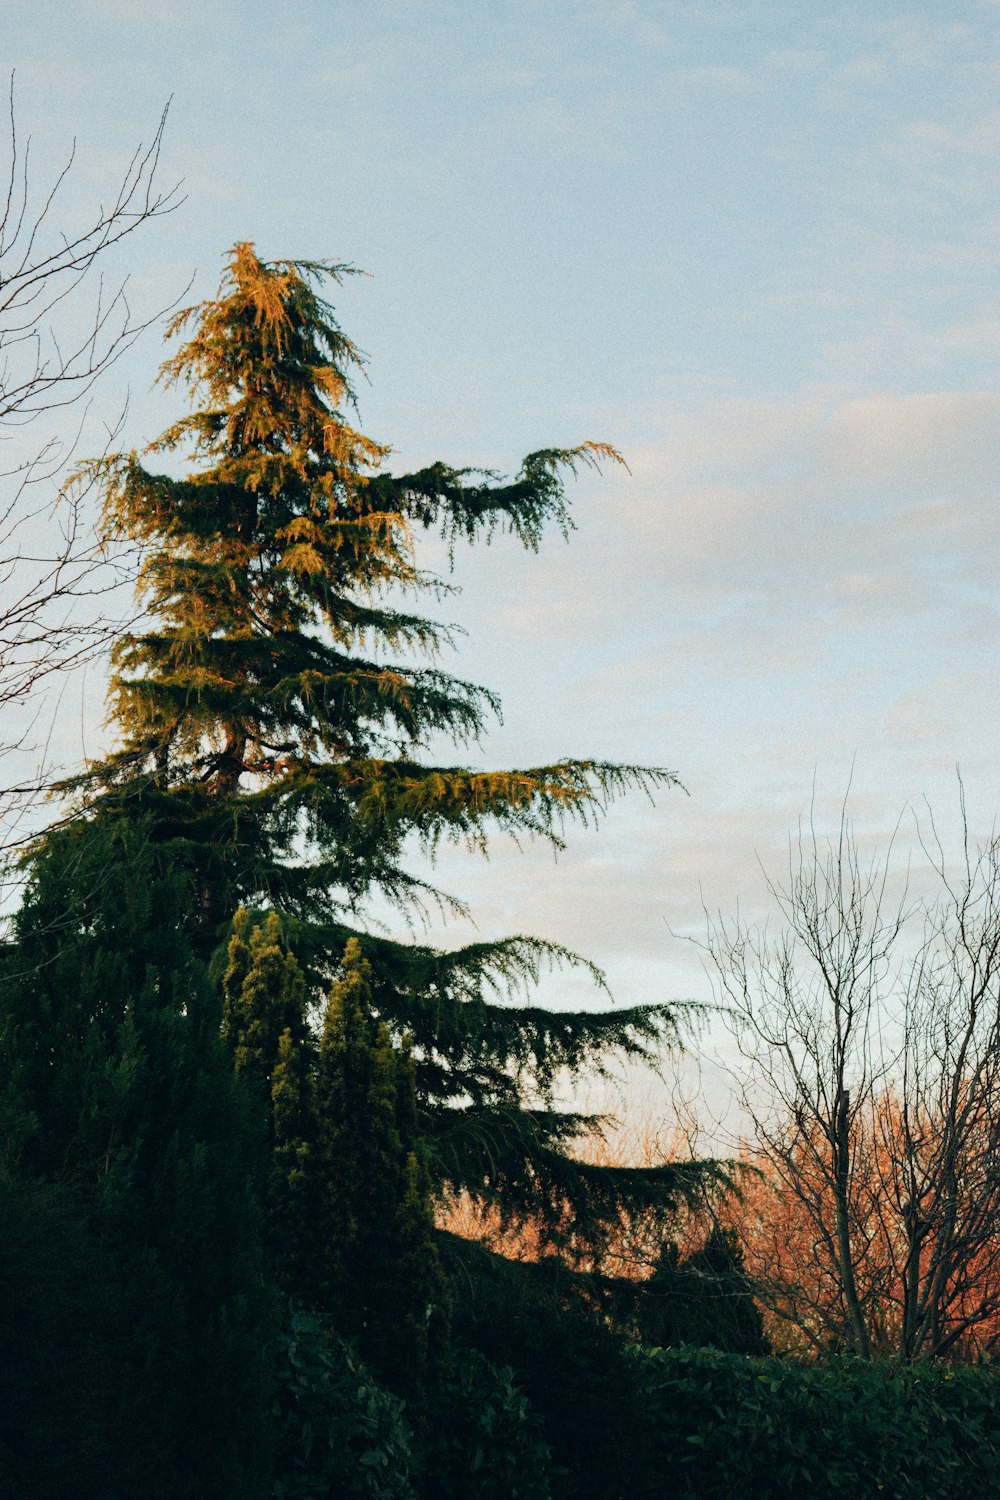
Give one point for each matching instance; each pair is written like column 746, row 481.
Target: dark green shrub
column 65, row 1355
column 487, row 1443
column 578, row 1374
column 706, row 1300
column 339, row 1433
column 719, row 1425
column 121, row 1096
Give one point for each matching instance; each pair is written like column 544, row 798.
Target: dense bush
column 118, row 1101
column 65, row 1356
column 339, row 1433
column 487, row 1442
column 664, row 1424
column 718, row 1426
column 577, row 1373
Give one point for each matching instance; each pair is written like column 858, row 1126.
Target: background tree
column 705, row 1299
column 872, row 1029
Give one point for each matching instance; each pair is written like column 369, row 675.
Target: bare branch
column 39, row 271
column 59, row 601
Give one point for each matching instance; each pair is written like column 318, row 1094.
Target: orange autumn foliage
column 784, row 1217
column 782, row 1226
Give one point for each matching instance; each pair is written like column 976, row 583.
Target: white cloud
column 649, row 33
column 921, row 440
column 780, row 527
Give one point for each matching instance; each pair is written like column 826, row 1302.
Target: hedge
column 719, row 1425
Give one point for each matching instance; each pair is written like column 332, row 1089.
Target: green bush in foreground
column 719, row 1426
column 64, row 1428
column 487, row 1441
column 580, row 1377
column 339, row 1433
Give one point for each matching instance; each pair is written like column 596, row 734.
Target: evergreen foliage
column 350, row 1230
column 64, row 1354
column 574, row 1368
column 265, row 1026
column 382, row 1277
column 273, row 718
column 487, row 1442
column 112, row 1061
column 705, row 1298
column 339, row 1433
column 717, row 1425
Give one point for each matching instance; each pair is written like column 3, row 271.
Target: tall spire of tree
column 265, row 1026
column 382, row 1278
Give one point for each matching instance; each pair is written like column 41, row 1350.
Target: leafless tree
column 61, row 327
column 41, row 271
column 869, row 1036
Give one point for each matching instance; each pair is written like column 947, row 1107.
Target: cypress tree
column 272, row 720
column 266, row 1029
column 381, row 1274
column 349, row 1222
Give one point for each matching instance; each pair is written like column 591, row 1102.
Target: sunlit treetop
column 272, row 576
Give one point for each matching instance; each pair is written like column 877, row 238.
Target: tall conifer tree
column 272, row 719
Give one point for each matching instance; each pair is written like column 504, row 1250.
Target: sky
column 754, row 247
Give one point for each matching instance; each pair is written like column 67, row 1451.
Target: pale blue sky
column 754, row 246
